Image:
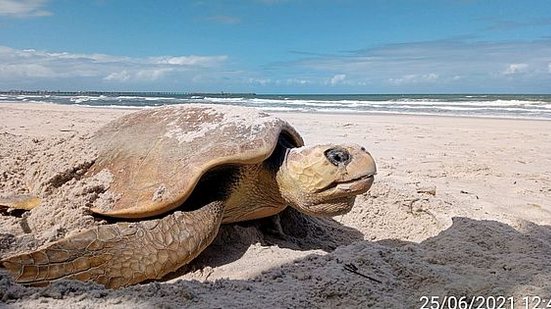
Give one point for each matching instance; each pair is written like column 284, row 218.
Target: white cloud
column 414, row 79
column 190, row 60
column 279, row 82
column 451, row 65
column 23, row 8
column 25, row 70
column 337, row 79
column 297, row 81
column 515, row 68
column 38, row 64
column 152, row 74
column 260, row 81
column 121, row 76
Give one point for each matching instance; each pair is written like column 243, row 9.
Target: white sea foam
column 511, row 106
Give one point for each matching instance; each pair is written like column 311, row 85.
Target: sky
column 277, row 46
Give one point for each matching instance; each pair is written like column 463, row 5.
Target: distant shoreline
column 118, row 93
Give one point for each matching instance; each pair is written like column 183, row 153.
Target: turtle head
column 323, row 180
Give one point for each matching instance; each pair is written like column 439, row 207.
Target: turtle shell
column 156, row 156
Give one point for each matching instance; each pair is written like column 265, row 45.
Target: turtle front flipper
column 22, row 201
column 122, row 254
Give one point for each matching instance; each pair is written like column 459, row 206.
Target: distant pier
column 122, row 93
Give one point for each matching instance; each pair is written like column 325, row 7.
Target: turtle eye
column 338, row 156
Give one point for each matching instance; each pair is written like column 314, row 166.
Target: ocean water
column 473, row 105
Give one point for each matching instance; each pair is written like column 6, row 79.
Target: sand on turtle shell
column 460, row 207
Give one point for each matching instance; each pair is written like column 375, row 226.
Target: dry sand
column 460, row 207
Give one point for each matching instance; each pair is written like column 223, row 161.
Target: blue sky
column 277, row 46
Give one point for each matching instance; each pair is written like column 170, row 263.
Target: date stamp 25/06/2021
column 484, row 302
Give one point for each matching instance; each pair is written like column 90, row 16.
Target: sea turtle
column 178, row 172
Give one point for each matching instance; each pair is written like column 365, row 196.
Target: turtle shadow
column 294, row 230
column 471, row 257
column 289, row 229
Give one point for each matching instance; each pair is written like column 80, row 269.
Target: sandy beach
column 460, row 207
